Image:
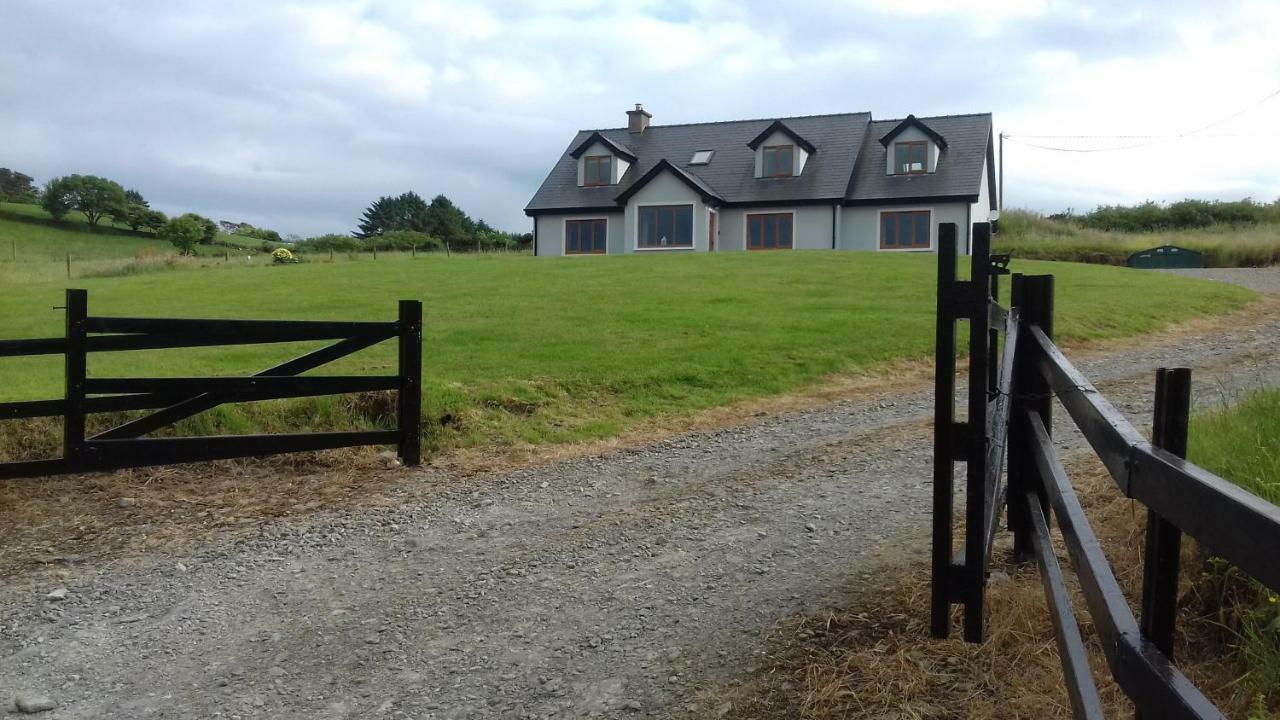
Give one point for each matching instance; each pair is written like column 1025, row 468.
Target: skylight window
column 701, row 157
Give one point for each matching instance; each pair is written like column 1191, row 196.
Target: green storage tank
column 1166, row 256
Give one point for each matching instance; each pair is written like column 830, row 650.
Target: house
column 842, row 181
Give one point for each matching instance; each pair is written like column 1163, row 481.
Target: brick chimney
column 638, row 119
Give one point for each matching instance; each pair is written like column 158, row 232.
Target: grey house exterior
column 844, row 182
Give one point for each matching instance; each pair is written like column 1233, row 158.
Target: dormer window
column 911, row 158
column 779, row 160
column 597, row 170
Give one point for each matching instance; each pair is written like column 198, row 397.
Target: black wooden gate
column 1009, row 405
column 176, row 398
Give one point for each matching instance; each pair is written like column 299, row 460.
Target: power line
column 1148, row 139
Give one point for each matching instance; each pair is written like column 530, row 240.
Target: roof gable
column 618, row 148
column 958, row 176
column 915, row 122
column 696, row 184
column 779, row 126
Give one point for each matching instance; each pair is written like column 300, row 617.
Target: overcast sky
column 295, row 115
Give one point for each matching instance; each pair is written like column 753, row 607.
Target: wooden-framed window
column 597, row 170
column 905, row 230
column 770, row 231
column 911, row 158
column 665, row 226
column 779, row 161
column 586, row 237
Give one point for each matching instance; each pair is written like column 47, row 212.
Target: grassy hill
column 28, row 234
column 1028, row 235
column 34, row 247
column 521, row 349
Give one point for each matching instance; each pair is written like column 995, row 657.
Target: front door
column 711, row 233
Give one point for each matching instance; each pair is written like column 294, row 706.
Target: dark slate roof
column 697, row 184
column 618, row 148
column 731, row 172
column 849, row 162
column 959, row 170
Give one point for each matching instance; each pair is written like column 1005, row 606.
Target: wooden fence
column 1010, row 407
column 176, row 398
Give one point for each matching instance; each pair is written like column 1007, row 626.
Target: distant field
column 521, row 349
column 1028, row 236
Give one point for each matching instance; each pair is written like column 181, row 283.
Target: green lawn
column 1026, row 235
column 554, row 350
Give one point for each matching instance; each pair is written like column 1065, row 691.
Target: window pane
column 784, row 161
column 921, row 236
column 598, row 236
column 918, row 154
column 571, row 236
column 784, row 231
column 754, row 226
column 646, row 227
column 683, row 231
column 889, row 232
column 901, row 158
column 665, row 224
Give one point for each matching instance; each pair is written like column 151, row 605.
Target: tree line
column 1185, row 214
column 398, row 222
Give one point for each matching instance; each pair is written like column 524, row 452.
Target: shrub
column 327, row 243
column 281, row 256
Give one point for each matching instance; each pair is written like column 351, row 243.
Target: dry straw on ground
column 875, row 659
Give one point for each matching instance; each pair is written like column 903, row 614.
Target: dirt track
column 607, row 586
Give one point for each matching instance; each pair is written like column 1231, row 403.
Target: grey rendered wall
column 860, row 226
column 982, row 211
column 812, row 226
column 664, row 189
column 551, row 232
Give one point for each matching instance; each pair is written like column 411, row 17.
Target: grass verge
column 1029, row 236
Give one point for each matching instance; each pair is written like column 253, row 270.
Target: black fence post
column 410, row 395
column 75, row 368
column 944, row 392
column 1164, row 540
column 1021, row 464
column 975, row 524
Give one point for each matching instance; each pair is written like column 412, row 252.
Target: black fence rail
column 1012, row 407
column 177, row 398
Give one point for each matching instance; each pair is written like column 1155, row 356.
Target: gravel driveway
column 610, row 586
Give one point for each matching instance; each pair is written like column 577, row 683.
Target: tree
column 137, row 217
column 153, row 220
column 133, row 197
column 403, row 212
column 184, row 232
column 16, row 186
column 447, row 222
column 56, row 198
column 92, row 195
column 209, row 229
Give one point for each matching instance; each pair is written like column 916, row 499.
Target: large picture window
column 769, row 231
column 597, row 170
column 904, row 230
column 910, row 158
column 665, row 226
column 585, row 237
column 778, row 160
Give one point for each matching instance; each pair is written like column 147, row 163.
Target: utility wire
column 1148, row 139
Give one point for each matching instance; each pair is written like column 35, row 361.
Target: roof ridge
column 931, row 117
column 747, row 120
